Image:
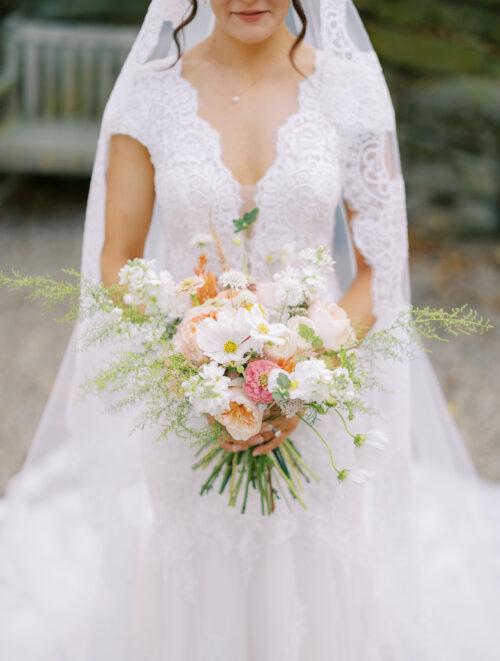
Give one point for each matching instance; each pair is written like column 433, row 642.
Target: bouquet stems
column 271, row 475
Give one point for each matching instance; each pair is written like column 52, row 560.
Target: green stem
column 328, row 448
column 249, row 477
column 348, row 431
column 289, row 482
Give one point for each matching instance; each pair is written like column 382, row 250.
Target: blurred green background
column 442, row 62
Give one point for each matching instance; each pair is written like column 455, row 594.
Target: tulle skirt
column 405, row 567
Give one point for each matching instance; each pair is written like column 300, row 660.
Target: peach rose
column 243, row 418
column 332, row 324
column 185, row 336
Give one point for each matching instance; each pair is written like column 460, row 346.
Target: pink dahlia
column 256, row 380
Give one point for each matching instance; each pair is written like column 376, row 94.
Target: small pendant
column 235, row 99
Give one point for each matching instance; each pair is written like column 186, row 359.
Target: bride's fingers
column 271, row 445
column 265, row 438
column 240, row 446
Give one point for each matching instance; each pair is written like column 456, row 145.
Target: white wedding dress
column 109, row 553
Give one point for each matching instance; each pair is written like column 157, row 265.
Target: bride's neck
column 221, row 48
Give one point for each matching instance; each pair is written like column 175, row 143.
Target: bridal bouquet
column 236, row 353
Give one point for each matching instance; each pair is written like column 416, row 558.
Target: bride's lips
column 250, row 16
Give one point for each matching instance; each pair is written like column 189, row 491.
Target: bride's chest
column 195, row 164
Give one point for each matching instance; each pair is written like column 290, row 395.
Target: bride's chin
column 251, row 33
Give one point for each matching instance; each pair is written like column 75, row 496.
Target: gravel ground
column 40, row 230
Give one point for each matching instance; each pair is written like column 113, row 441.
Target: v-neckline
column 279, row 132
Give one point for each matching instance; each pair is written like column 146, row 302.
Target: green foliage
column 241, row 224
column 49, row 291
column 307, row 333
column 415, row 323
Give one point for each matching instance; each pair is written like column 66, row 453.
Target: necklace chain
column 235, row 98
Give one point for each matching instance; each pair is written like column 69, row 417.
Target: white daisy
column 227, row 338
column 370, row 447
column 261, row 329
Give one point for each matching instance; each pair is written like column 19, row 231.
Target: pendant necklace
column 235, row 98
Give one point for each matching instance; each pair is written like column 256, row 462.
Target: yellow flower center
column 230, row 346
column 293, row 384
column 263, row 328
column 263, row 379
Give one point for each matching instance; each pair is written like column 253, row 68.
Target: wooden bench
column 54, row 84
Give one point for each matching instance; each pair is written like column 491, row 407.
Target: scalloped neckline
column 279, row 132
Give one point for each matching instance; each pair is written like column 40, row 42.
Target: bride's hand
column 271, row 436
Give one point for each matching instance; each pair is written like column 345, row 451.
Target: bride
column 108, row 552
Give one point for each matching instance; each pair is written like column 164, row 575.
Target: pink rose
column 256, row 379
column 332, row 324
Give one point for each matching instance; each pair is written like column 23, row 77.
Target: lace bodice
column 338, row 144
column 296, row 196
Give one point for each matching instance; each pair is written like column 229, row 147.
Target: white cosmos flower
column 370, row 447
column 261, row 329
column 233, row 280
column 227, row 338
column 349, row 478
column 208, row 391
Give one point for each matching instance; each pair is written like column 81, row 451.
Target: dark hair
column 297, row 5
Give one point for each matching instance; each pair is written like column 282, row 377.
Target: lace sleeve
column 372, row 182
column 129, row 109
